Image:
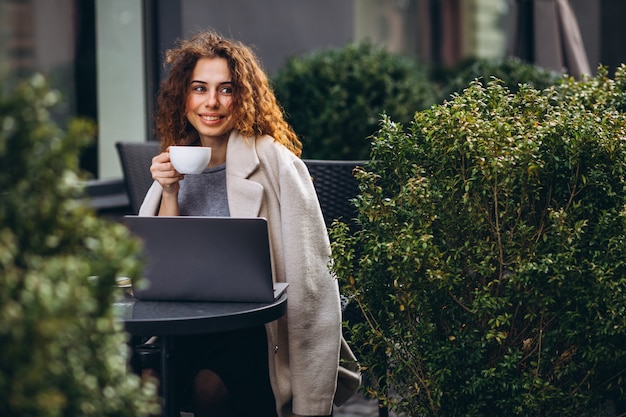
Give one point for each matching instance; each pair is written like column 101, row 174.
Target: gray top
column 204, row 194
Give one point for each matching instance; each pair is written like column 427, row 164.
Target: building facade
column 105, row 56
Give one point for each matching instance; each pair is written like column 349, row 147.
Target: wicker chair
column 334, row 183
column 335, row 186
column 136, row 158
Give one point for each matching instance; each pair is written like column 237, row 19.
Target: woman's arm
column 164, row 173
column 169, row 204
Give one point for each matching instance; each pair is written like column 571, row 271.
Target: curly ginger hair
column 255, row 108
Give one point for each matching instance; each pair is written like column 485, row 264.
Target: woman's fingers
column 163, row 171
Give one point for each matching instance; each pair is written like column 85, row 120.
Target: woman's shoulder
column 270, row 153
column 268, row 148
column 266, row 143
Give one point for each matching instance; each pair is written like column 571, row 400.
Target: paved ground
column 357, row 406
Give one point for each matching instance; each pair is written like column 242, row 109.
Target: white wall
column 121, row 80
column 392, row 24
column 483, row 36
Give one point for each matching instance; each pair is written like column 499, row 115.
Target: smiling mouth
column 210, row 118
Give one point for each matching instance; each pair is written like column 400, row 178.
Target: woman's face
column 210, row 99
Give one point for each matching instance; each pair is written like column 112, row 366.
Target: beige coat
column 264, row 179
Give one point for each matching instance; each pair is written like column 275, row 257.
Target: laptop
column 193, row 258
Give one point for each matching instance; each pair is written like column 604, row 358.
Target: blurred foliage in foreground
column 62, row 352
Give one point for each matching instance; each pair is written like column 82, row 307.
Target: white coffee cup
column 190, row 159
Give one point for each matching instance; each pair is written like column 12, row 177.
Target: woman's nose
column 212, row 100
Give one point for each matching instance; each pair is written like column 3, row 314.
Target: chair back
column 335, row 186
column 136, row 158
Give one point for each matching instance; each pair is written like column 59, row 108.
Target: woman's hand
column 164, row 173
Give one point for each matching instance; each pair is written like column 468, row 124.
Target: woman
column 217, row 95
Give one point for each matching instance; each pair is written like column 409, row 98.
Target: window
column 57, row 39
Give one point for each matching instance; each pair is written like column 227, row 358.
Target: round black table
column 168, row 319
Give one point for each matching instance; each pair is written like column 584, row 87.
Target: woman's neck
column 218, row 149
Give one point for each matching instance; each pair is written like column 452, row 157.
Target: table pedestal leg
column 169, row 404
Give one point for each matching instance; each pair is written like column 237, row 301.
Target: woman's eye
column 226, row 90
column 198, row 88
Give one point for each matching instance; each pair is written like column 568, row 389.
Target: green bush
column 62, row 352
column 334, row 98
column 489, row 262
column 510, row 71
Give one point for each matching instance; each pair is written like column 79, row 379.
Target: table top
column 164, row 318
